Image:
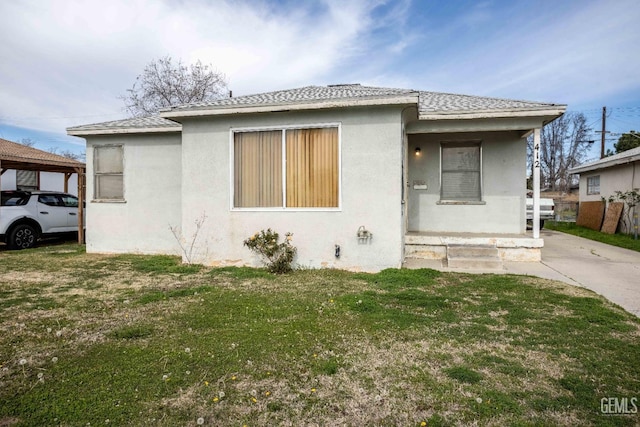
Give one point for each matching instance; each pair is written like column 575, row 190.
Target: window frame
column 20, row 186
column 462, row 143
column 284, row 129
column 590, row 187
column 96, row 174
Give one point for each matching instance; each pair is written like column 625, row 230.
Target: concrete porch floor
column 433, row 246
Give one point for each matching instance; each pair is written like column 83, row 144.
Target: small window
column 593, row 184
column 108, row 173
column 460, row 172
column 27, row 180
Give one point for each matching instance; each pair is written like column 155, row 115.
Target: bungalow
column 602, row 178
column 379, row 173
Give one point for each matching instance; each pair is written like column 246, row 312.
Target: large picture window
column 286, row 168
column 108, row 171
column 461, row 172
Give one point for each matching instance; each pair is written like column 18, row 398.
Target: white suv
column 25, row 216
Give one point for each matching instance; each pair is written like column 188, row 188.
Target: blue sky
column 65, row 63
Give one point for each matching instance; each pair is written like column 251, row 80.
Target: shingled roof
column 301, row 95
column 18, row 156
column 132, row 125
column 430, row 105
column 625, row 157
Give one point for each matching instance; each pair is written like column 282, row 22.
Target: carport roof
column 18, row 156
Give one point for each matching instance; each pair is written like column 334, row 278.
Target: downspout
column 403, row 191
column 404, row 176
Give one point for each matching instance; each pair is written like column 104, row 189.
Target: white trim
column 283, row 128
column 479, row 143
column 123, row 131
column 536, row 183
column 591, row 186
column 490, row 114
column 623, row 158
column 278, row 209
column 283, row 155
column 95, row 181
column 217, row 110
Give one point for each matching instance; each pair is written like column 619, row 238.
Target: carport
column 21, row 157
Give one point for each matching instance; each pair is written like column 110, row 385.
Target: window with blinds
column 108, row 171
column 461, row 173
column 27, row 180
column 286, row 168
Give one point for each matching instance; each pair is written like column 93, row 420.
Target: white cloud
column 67, row 61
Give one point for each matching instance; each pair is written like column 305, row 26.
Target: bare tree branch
column 563, row 146
column 163, row 84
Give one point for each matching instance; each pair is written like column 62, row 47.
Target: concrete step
column 477, row 257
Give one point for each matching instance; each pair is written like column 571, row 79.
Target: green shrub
column 276, row 256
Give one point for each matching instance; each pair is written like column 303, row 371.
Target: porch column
column 536, row 183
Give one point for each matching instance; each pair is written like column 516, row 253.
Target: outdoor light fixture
column 418, row 151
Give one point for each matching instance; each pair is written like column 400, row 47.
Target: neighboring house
column 417, row 170
column 602, row 178
column 19, row 179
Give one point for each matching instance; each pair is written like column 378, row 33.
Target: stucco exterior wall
column 617, row 178
column 49, row 181
column 503, row 186
column 152, row 192
column 371, row 176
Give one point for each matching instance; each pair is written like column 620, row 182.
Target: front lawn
column 621, row 240
column 142, row 340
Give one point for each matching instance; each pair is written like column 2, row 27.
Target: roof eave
column 605, row 164
column 555, row 111
column 115, row 131
column 272, row 108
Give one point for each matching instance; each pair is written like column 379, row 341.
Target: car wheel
column 22, row 236
column 541, row 224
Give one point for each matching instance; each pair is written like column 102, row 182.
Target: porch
column 470, row 250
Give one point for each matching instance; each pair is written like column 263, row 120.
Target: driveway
column 607, row 270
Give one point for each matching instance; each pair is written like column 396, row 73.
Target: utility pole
column 604, row 131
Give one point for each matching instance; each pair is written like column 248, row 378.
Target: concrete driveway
column 607, row 270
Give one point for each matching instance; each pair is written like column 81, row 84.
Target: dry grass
column 144, row 341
